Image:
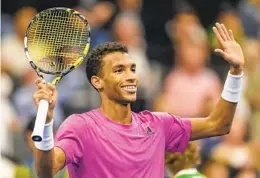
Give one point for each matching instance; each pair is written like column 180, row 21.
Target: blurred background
column 172, row 43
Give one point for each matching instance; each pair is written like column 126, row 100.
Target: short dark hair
column 94, row 58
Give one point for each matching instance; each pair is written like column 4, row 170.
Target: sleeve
column 177, row 132
column 69, row 138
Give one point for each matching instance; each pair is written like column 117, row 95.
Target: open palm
column 231, row 51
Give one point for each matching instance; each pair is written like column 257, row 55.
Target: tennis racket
column 56, row 42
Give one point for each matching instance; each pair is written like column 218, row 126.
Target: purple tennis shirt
column 98, row 147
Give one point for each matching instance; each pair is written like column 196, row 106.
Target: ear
column 97, row 82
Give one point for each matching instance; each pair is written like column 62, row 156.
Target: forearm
column 44, row 163
column 216, row 124
column 220, row 119
column 44, row 153
column 222, row 116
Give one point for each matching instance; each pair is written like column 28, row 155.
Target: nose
column 131, row 77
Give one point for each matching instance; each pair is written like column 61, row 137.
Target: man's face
column 119, row 78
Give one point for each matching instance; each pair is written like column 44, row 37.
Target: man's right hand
column 47, row 92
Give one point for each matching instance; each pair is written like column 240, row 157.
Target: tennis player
column 114, row 142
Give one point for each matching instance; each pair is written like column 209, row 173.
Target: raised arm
column 220, row 120
column 48, row 159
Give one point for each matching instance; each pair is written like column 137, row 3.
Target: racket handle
column 37, row 134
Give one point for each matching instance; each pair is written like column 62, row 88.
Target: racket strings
column 59, row 37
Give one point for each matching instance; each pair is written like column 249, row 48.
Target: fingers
column 44, row 91
column 53, row 91
column 41, row 84
column 221, row 31
column 224, row 34
column 39, row 80
column 51, row 87
column 231, row 35
column 42, row 95
column 225, row 31
column 220, row 52
column 219, row 38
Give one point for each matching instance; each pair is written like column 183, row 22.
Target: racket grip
column 41, row 117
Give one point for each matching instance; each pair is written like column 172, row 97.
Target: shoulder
column 158, row 115
column 145, row 115
column 154, row 116
column 77, row 121
column 166, row 120
column 74, row 125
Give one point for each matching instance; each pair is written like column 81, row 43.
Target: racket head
column 57, row 41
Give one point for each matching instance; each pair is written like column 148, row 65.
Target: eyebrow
column 122, row 65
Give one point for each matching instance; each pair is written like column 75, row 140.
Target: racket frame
column 60, row 75
column 37, row 134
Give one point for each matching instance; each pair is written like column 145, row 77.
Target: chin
column 128, row 100
column 132, row 100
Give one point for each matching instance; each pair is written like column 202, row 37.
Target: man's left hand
column 231, row 51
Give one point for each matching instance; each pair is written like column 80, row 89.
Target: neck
column 115, row 111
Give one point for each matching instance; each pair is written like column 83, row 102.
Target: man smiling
column 113, row 141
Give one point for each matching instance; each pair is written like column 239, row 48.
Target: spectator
column 13, row 46
column 184, row 164
column 252, row 53
column 190, row 81
column 9, row 121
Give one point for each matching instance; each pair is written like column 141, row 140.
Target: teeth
column 130, row 87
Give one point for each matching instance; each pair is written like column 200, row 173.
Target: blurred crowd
column 172, row 43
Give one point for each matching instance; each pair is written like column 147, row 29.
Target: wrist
column 238, row 70
column 233, row 87
column 47, row 142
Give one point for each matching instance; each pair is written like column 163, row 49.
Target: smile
column 130, row 88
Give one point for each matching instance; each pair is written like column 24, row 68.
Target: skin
column 119, row 70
